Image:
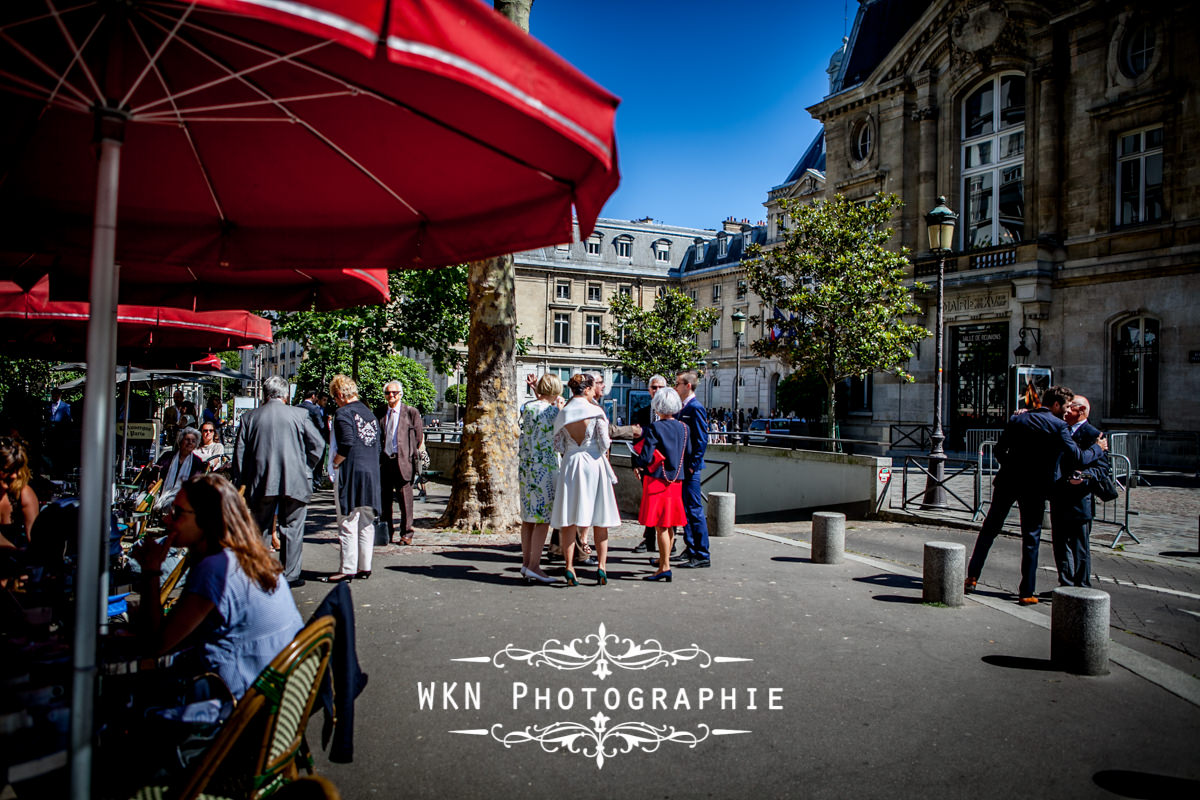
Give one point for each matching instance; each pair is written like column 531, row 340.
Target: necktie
column 392, row 419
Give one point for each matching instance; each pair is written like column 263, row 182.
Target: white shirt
column 393, row 420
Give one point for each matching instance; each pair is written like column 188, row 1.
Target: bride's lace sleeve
column 560, row 440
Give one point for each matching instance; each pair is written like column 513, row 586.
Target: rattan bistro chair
column 259, row 745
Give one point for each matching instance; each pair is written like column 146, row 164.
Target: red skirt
column 662, row 503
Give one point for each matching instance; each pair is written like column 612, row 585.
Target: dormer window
column 625, row 247
column 722, row 245
column 593, row 245
column 699, row 251
column 662, row 252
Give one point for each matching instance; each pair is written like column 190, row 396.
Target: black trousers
column 391, row 484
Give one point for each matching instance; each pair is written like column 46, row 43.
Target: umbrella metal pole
column 95, row 472
column 125, row 427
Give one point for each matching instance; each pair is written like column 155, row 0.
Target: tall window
column 722, row 245
column 993, row 163
column 716, row 297
column 562, row 328
column 1135, row 368
column 562, row 290
column 715, row 334
column 593, row 291
column 625, row 290
column 741, row 289
column 1139, row 176
column 591, row 330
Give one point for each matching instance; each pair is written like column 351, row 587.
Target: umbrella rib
column 40, row 92
column 76, row 50
column 189, row 112
column 152, row 60
column 243, row 78
column 231, row 74
column 45, row 93
column 187, row 131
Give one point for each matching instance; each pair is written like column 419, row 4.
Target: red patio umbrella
column 299, row 135
column 31, row 321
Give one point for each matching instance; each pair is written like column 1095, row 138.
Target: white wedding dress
column 583, row 491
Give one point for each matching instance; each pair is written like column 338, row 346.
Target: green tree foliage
column 456, row 393
column 375, row 370
column 802, row 395
column 428, row 312
column 839, row 291
column 25, row 385
column 661, row 340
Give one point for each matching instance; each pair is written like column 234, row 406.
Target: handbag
column 1103, row 484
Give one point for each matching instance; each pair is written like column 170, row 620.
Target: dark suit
column 1029, row 449
column 398, row 470
column 1071, row 511
column 695, row 534
column 277, row 447
column 317, row 415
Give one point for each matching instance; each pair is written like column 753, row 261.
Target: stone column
column 828, row 537
column 1079, row 630
column 943, row 574
column 721, row 511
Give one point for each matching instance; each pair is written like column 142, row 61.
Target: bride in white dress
column 583, row 491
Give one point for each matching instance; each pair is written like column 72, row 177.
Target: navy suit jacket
column 665, row 436
column 1072, row 501
column 695, row 417
column 1030, row 451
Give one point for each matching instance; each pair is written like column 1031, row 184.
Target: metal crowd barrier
column 964, row 466
column 975, row 437
column 909, row 436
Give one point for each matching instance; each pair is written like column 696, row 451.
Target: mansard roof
column 878, row 27
column 710, row 257
column 813, row 158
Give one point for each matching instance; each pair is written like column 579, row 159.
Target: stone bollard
column 722, row 506
column 828, row 537
column 1079, row 630
column 943, row 574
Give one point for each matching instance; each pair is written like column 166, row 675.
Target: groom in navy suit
column 695, row 535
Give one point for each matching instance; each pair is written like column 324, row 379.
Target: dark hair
column 1057, row 394
column 223, row 517
column 580, row 382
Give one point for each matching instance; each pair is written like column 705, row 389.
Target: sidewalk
column 765, row 676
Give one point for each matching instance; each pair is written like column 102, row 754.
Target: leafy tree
column 484, row 492
column 803, row 395
column 456, row 393
column 660, row 340
column 428, row 312
column 25, row 385
column 839, row 293
column 375, row 370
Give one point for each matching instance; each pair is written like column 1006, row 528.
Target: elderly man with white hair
column 403, row 434
column 277, row 446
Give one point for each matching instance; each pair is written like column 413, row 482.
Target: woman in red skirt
column 661, row 457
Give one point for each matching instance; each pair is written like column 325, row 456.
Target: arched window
column 1135, row 368
column 993, row 163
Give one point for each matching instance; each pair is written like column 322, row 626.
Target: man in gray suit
column 276, row 450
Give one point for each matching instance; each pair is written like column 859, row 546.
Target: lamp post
column 940, row 222
column 712, row 382
column 739, row 330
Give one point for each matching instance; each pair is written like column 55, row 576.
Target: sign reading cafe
column 602, row 726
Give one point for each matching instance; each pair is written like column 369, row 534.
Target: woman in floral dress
column 537, row 464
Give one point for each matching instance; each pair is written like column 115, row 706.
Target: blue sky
column 712, row 95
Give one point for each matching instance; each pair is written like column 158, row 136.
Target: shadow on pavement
column 1145, row 785
column 893, row 581
column 897, row 598
column 1179, row 554
column 1020, row 662
column 461, row 573
column 792, row 560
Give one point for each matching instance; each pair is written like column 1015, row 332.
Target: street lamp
column 739, row 330
column 712, row 382
column 940, row 222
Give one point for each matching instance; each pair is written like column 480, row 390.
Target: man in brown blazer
column 403, row 434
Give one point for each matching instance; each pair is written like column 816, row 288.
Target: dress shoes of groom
column 696, row 563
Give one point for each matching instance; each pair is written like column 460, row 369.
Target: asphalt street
column 765, row 676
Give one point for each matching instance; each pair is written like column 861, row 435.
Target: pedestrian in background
column 662, row 457
column 695, row 533
column 1071, row 504
column 276, row 449
column 583, row 493
column 403, row 436
column 1030, row 451
column 356, row 440
column 537, row 468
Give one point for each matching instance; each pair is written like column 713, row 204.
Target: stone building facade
column 1065, row 136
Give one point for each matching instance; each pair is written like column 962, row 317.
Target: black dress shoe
column 590, row 561
column 682, row 557
column 696, row 563
column 640, row 547
column 296, row 584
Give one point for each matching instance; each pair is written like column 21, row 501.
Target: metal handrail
column 898, row 435
column 726, row 467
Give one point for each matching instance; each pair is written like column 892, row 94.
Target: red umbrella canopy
column 32, row 322
column 296, row 136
